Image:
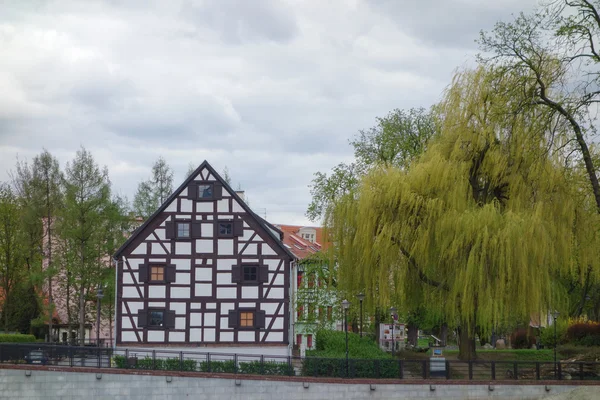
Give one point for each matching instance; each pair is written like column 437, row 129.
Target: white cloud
column 271, row 89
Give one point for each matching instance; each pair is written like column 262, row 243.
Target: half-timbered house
column 205, row 271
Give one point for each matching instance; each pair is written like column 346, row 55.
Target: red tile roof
column 300, row 247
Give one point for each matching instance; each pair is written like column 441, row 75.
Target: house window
column 183, row 230
column 157, row 318
column 205, row 191
column 298, row 340
column 309, row 341
column 300, row 313
column 157, row 273
column 250, row 273
column 246, row 319
column 225, row 228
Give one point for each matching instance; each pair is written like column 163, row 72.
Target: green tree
column 153, row 192
column 478, row 228
column 12, row 252
column 396, row 140
column 84, row 229
column 555, row 50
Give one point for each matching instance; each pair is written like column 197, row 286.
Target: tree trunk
column 81, row 316
column 444, row 334
column 466, row 343
column 413, row 335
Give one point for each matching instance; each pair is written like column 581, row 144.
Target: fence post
column 400, row 369
column 581, row 370
column 98, row 354
column 376, row 368
column 493, row 370
column 537, row 370
column 290, row 368
column 448, row 368
column 208, row 362
column 315, row 370
column 559, row 371
column 424, row 369
column 181, row 360
column 153, row 359
column 235, row 361
column 515, row 371
column 127, row 358
column 470, row 370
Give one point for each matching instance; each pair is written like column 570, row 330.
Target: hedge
column 16, row 338
column 173, row 364
column 336, row 368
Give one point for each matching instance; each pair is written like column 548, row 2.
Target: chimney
column 242, row 195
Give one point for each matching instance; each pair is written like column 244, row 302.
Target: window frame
column 243, row 279
column 247, row 311
column 149, row 318
column 224, row 235
column 164, row 273
column 189, row 225
column 212, row 191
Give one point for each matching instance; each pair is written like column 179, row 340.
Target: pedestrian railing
column 191, row 361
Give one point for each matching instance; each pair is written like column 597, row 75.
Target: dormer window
column 225, row 229
column 205, row 191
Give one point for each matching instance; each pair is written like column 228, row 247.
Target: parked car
column 37, row 357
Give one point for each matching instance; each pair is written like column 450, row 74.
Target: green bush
column 227, row 367
column 336, row 368
column 16, row 338
column 332, row 344
column 265, row 368
column 166, row 364
column 547, row 335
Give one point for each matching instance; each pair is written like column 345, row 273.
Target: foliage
column 265, row 368
column 226, row 367
column 584, row 333
column 547, row 334
column 521, row 339
column 166, row 364
column 330, row 343
column 473, row 227
column 336, row 368
column 16, row 338
column 396, row 140
column 153, row 192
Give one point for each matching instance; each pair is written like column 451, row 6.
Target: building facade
column 205, row 271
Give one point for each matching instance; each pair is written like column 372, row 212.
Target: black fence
column 140, row 359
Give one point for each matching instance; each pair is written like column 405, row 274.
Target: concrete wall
column 42, row 384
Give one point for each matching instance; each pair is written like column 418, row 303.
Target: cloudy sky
column 272, row 89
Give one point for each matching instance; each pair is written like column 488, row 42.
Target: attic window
column 205, row 191
column 183, row 230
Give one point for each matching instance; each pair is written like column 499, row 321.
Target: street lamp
column 99, row 297
column 555, row 315
column 393, row 313
column 361, row 297
column 346, row 305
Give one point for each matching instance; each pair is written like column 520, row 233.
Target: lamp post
column 393, row 313
column 99, row 297
column 346, row 305
column 555, row 315
column 361, row 297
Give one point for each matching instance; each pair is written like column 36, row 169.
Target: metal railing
column 191, row 361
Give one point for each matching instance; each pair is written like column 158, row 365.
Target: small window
column 157, row 318
column 246, row 319
column 250, row 273
column 183, row 230
column 225, row 228
column 205, row 191
column 157, row 273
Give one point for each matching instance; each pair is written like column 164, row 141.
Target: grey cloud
column 448, row 23
column 240, row 21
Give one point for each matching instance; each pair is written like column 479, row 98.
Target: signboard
column 385, row 336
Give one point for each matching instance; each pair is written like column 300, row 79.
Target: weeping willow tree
column 479, row 228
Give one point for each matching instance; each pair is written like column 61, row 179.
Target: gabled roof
column 302, row 248
column 261, row 222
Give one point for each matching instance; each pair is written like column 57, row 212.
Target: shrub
column 16, row 338
column 266, row 368
column 218, row 366
column 521, row 339
column 332, row 344
column 166, row 364
column 547, row 335
column 584, row 333
column 336, row 368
